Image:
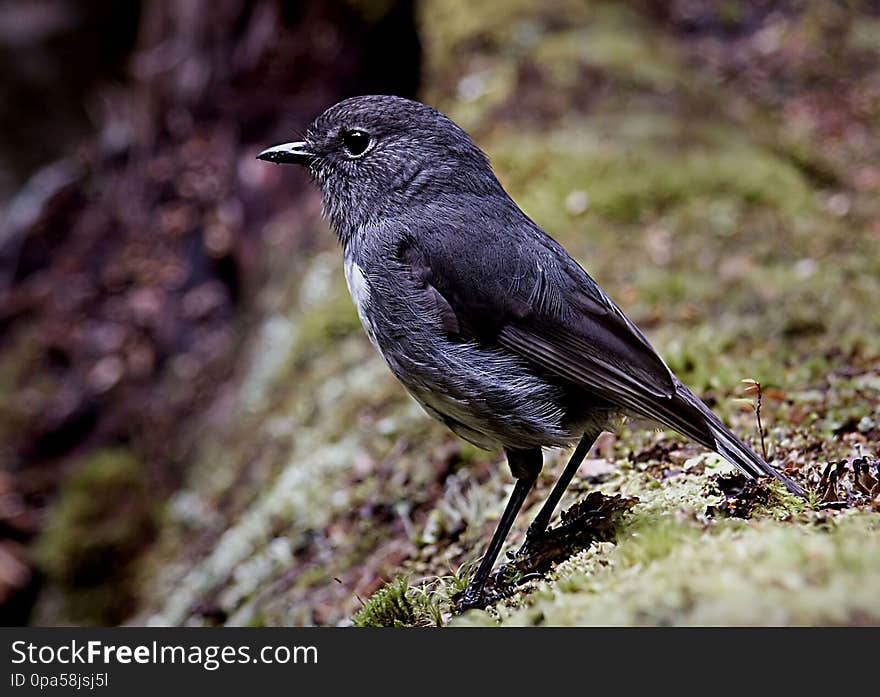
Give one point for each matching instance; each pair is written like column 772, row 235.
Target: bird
column 486, row 320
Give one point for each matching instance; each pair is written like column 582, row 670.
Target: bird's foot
column 534, row 536
column 480, row 599
column 590, row 520
column 497, row 586
column 473, row 598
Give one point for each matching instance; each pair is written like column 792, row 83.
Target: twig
column 755, row 387
column 758, row 415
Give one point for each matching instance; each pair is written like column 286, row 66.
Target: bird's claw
column 472, row 599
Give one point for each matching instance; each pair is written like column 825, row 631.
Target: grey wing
column 525, row 294
column 595, row 346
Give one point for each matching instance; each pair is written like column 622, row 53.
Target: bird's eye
column 355, row 142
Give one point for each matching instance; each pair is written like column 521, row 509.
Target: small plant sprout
column 753, row 389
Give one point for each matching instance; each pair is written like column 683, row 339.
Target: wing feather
column 505, row 283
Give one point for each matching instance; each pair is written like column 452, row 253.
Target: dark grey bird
column 486, row 320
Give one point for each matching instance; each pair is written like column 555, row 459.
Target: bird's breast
column 359, row 289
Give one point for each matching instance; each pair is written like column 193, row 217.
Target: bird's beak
column 288, row 154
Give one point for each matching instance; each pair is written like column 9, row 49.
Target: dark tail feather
column 735, row 451
column 731, row 448
column 687, row 414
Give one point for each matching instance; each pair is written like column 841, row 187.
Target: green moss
column 672, row 565
column 102, row 520
column 783, row 505
column 651, row 538
column 626, row 179
column 764, row 573
column 389, row 606
column 475, row 51
column 331, row 320
column 865, row 35
column 456, row 27
column 617, row 44
column 429, row 603
column 20, row 365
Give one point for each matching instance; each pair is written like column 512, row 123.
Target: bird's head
column 379, row 156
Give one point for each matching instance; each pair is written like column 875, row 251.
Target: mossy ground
column 90, row 546
column 722, row 212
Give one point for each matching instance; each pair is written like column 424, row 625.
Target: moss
column 389, row 606
column 615, row 42
column 22, row 363
column 865, row 35
column 475, row 51
column 769, row 573
column 102, row 520
column 642, row 175
column 651, row 538
column 672, row 565
column 454, row 27
column 429, row 603
column 783, row 505
column 330, row 321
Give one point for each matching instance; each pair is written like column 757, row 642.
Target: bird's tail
column 721, row 440
column 738, row 453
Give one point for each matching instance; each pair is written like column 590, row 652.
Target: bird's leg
column 525, row 466
column 542, row 520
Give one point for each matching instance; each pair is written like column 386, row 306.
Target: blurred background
column 193, row 428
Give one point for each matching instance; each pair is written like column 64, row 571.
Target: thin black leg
column 542, row 520
column 525, row 465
